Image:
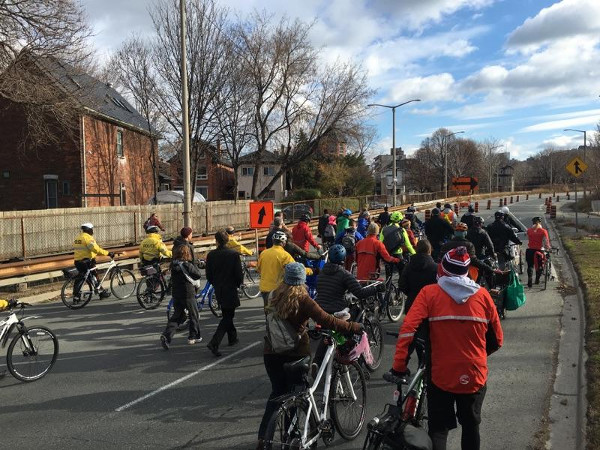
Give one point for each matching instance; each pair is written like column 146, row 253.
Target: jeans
column 225, row 326
column 180, row 305
column 280, row 385
column 443, row 415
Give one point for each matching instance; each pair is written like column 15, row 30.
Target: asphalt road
column 113, row 385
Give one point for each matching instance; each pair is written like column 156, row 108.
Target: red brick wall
column 105, row 170
column 25, row 186
column 219, row 182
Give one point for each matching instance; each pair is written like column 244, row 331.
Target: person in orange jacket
column 368, row 252
column 464, row 328
column 302, row 235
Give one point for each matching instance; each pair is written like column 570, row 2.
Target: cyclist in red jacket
column 368, row 252
column 536, row 236
column 464, row 328
column 302, row 235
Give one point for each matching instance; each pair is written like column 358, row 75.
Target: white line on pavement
column 182, row 379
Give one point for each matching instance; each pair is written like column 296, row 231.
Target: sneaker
column 164, row 342
column 104, row 293
column 215, row 350
column 194, row 341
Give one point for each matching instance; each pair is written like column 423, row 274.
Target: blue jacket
column 340, row 235
column 363, row 223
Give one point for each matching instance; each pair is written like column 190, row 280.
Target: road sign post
column 261, row 214
column 576, row 167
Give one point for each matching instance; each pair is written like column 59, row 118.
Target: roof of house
column 94, row 94
column 267, row 157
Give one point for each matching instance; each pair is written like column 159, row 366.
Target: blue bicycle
column 206, row 295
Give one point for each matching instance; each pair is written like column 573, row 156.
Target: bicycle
column 403, row 426
column 33, row 351
column 300, row 421
column 250, row 286
column 122, row 284
column 515, row 252
column 548, row 265
column 394, row 299
column 207, row 292
column 153, row 286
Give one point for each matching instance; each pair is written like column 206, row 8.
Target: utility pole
column 446, row 136
column 187, row 185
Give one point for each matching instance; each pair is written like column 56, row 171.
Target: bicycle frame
column 8, row 325
column 111, row 265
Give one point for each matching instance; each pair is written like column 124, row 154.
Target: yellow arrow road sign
column 576, row 167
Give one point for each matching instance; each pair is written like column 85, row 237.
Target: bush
column 303, row 194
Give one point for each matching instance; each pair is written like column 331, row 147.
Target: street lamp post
column 446, row 136
column 393, row 108
column 187, row 186
column 584, row 152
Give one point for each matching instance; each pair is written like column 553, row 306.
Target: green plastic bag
column 514, row 294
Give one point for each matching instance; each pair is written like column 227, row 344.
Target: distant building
column 268, row 167
column 333, row 145
column 505, row 179
column 107, row 160
column 382, row 171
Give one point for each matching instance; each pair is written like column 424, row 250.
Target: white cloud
column 425, row 111
column 435, row 87
column 562, row 124
column 562, row 142
column 563, row 19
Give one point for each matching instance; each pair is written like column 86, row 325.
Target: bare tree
column 490, row 150
column 135, row 74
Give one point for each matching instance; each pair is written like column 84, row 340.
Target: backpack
column 392, row 238
column 349, row 242
column 329, row 231
column 281, row 334
column 146, row 223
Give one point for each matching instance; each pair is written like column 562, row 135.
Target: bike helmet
column 478, row 221
column 536, row 219
column 87, row 227
column 152, row 229
column 461, row 227
column 347, row 212
column 435, row 212
column 505, row 210
column 396, row 217
column 305, row 218
column 280, row 236
column 498, row 215
column 447, row 206
column 337, row 254
column 411, row 210
column 471, row 209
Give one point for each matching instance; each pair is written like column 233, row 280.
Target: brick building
column 214, row 176
column 106, row 159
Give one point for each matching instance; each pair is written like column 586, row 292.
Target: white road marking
column 185, row 378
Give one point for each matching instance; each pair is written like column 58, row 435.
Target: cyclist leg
column 440, row 415
column 194, row 319
column 82, row 267
column 468, row 412
column 529, row 255
column 177, row 317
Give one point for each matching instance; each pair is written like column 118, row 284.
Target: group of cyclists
column 354, row 250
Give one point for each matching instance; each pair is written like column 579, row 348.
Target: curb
column 568, row 403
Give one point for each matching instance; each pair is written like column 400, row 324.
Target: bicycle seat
column 299, row 367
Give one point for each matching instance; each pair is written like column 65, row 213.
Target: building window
column 203, row 190
column 164, row 187
column 202, row 173
column 51, row 190
column 66, row 188
column 242, row 194
column 120, row 152
column 269, row 171
column 270, row 195
column 247, row 171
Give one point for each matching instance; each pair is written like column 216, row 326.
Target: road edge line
column 184, row 378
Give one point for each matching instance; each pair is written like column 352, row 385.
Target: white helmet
column 88, row 225
column 279, row 236
column 505, row 210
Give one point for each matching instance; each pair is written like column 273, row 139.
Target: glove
column 111, row 255
column 381, row 287
column 396, row 377
column 12, row 303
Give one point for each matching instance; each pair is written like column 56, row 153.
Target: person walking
column 323, row 221
column 183, row 272
column 302, row 234
column 224, row 272
column 384, row 218
column 458, row 307
column 291, row 302
column 538, row 239
column 185, row 238
column 437, row 231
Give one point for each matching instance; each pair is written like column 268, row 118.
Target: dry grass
column 585, row 254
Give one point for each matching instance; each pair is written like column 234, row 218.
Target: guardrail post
column 511, row 199
column 540, row 196
column 24, row 251
column 526, row 196
column 135, row 228
column 558, row 198
column 517, row 199
column 500, row 203
column 504, row 201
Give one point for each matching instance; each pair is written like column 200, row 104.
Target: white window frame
column 202, row 176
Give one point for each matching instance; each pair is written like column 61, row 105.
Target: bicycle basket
column 148, row 270
column 351, row 350
column 71, row 272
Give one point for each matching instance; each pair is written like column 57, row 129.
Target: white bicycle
column 33, row 351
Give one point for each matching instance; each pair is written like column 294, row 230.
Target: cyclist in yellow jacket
column 235, row 245
column 153, row 248
column 395, row 238
column 7, row 304
column 85, row 251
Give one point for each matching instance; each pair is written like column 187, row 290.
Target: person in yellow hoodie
column 235, row 245
column 153, row 248
column 85, row 250
column 7, row 304
column 395, row 238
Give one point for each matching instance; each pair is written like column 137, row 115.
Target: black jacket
column 182, row 288
column 181, row 241
column 384, row 219
column 463, row 242
column 224, row 272
column 298, row 253
column 323, row 221
column 333, row 282
column 482, row 242
column 467, row 219
column 437, row 230
column 501, row 234
column 420, row 271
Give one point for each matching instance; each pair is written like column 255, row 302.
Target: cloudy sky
column 519, row 71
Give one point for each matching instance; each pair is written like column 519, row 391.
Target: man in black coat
column 420, row 271
column 384, row 218
column 323, row 220
column 185, row 238
column 224, row 272
column 437, row 231
column 501, row 234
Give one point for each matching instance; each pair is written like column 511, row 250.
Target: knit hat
column 295, row 274
column 185, row 232
column 332, row 220
column 455, row 263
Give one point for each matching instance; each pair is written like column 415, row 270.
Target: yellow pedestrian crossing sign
column 576, row 167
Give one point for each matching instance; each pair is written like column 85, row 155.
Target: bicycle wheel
column 250, row 288
column 374, row 332
column 287, row 425
column 150, row 292
column 348, row 399
column 35, row 354
column 122, row 283
column 395, row 304
column 73, row 301
column 520, row 262
column 213, row 304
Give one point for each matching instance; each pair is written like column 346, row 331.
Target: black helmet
column 411, row 210
column 305, row 218
column 498, row 215
column 536, row 219
column 435, row 212
column 478, row 221
column 447, row 205
column 471, row 209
